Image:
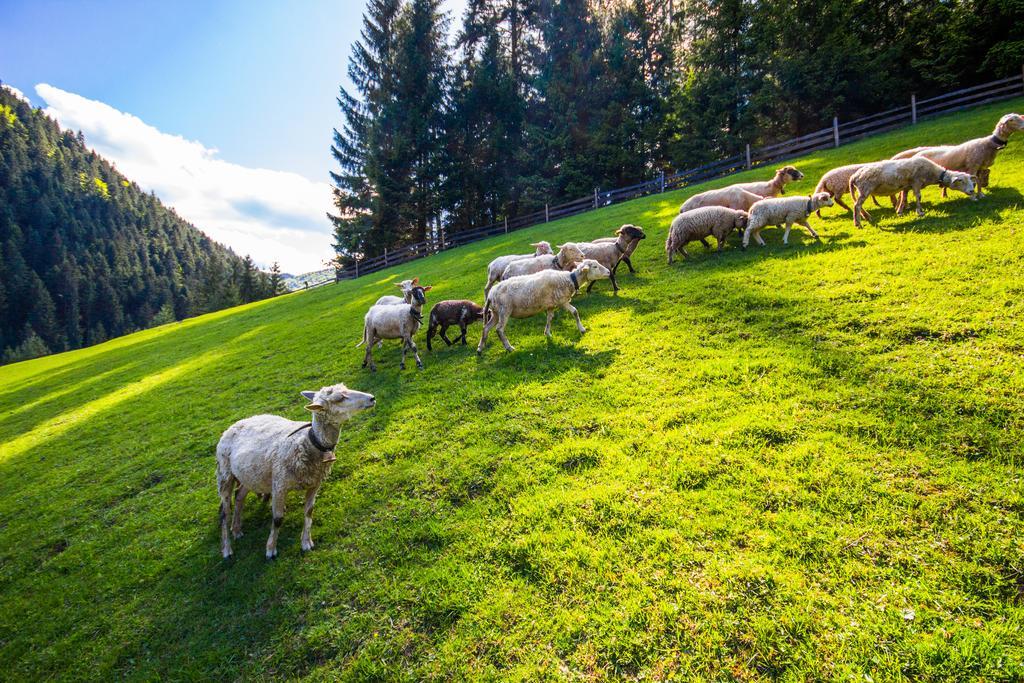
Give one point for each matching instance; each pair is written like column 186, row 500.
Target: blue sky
column 253, row 84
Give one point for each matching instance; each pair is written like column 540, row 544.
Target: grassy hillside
column 795, row 463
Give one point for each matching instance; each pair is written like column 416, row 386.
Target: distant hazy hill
column 86, row 254
column 293, row 282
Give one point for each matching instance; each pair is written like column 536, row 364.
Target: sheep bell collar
column 326, row 451
column 809, row 205
column 942, row 178
column 998, row 142
column 415, row 316
column 575, row 281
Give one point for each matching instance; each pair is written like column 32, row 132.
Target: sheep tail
column 363, row 340
column 487, row 309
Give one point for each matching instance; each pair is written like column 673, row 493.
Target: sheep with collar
column 783, row 210
column 496, row 267
column 396, row 321
column 527, row 295
column 271, row 455
column 567, row 257
column 630, row 248
column 895, row 176
column 610, row 254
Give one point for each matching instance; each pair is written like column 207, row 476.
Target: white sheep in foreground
column 784, row 210
column 527, row 295
column 775, row 186
column 272, row 455
column 566, row 259
column 732, row 197
column 395, row 321
column 699, row 224
column 496, row 267
column 609, row 254
column 973, row 157
column 629, row 249
column 898, row 175
column 406, row 287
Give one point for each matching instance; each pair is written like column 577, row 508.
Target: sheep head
column 541, row 248
column 337, row 402
column 589, row 270
column 632, row 232
column 742, row 218
column 789, row 174
column 1009, row 124
column 820, row 199
column 569, row 255
column 957, row 180
column 419, row 294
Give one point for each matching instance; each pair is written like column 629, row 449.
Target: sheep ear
column 398, row 284
column 308, row 395
column 314, row 407
column 428, row 288
column 415, row 280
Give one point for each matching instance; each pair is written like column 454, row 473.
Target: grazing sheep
column 698, row 224
column 395, row 321
column 629, row 249
column 271, row 455
column 568, row 256
column 496, row 267
column 406, row 287
column 775, row 186
column 971, row 157
column 608, row 254
column 894, row 176
column 837, row 183
column 526, row 295
column 445, row 313
column 732, row 197
column 784, row 210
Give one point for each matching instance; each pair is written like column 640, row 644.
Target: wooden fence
column 838, row 133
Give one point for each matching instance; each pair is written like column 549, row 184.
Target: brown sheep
column 461, row 312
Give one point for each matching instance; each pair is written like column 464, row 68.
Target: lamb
column 526, row 295
column 974, row 156
column 788, row 210
column 698, row 224
column 732, row 197
column 395, row 321
column 271, row 455
column 608, row 254
column 496, row 267
column 568, row 256
column 894, row 176
column 629, row 249
column 775, row 186
column 406, row 287
column 446, row 313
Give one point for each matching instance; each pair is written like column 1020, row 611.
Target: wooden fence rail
column 839, row 133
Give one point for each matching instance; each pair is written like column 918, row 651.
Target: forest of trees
column 534, row 101
column 86, row 255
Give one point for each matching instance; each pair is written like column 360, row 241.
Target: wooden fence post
column 835, row 130
column 595, row 197
column 663, row 181
column 385, row 258
column 547, row 217
column 913, row 108
column 748, row 155
column 506, row 223
column 357, row 267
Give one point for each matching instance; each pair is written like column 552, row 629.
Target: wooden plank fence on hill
column 835, row 135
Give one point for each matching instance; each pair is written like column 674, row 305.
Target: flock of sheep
column 270, row 455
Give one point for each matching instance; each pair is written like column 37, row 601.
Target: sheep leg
column 463, row 326
column 704, row 241
column 590, row 286
column 307, row 525
column 901, row 203
column 576, row 314
column 444, row 335
column 488, row 324
column 431, row 330
column 629, row 264
column 917, row 198
column 236, row 519
column 611, row 276
column 226, row 486
column 945, row 192
column 277, row 509
column 368, row 358
column 405, row 347
column 838, row 200
column 810, row 229
column 547, row 325
column 785, row 235
column 500, row 329
column 416, row 353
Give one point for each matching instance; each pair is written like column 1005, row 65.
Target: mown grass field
column 799, row 463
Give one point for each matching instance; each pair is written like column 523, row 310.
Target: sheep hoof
column 401, row 366
column 271, row 554
column 307, row 546
column 237, row 534
column 227, row 554
column 419, row 365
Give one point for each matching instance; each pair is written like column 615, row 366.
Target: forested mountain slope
column 86, row 254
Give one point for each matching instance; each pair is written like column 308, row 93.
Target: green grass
column 798, row 463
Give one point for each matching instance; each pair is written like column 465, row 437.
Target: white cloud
column 17, row 93
column 270, row 215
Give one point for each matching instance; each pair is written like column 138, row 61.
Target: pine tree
column 276, row 283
